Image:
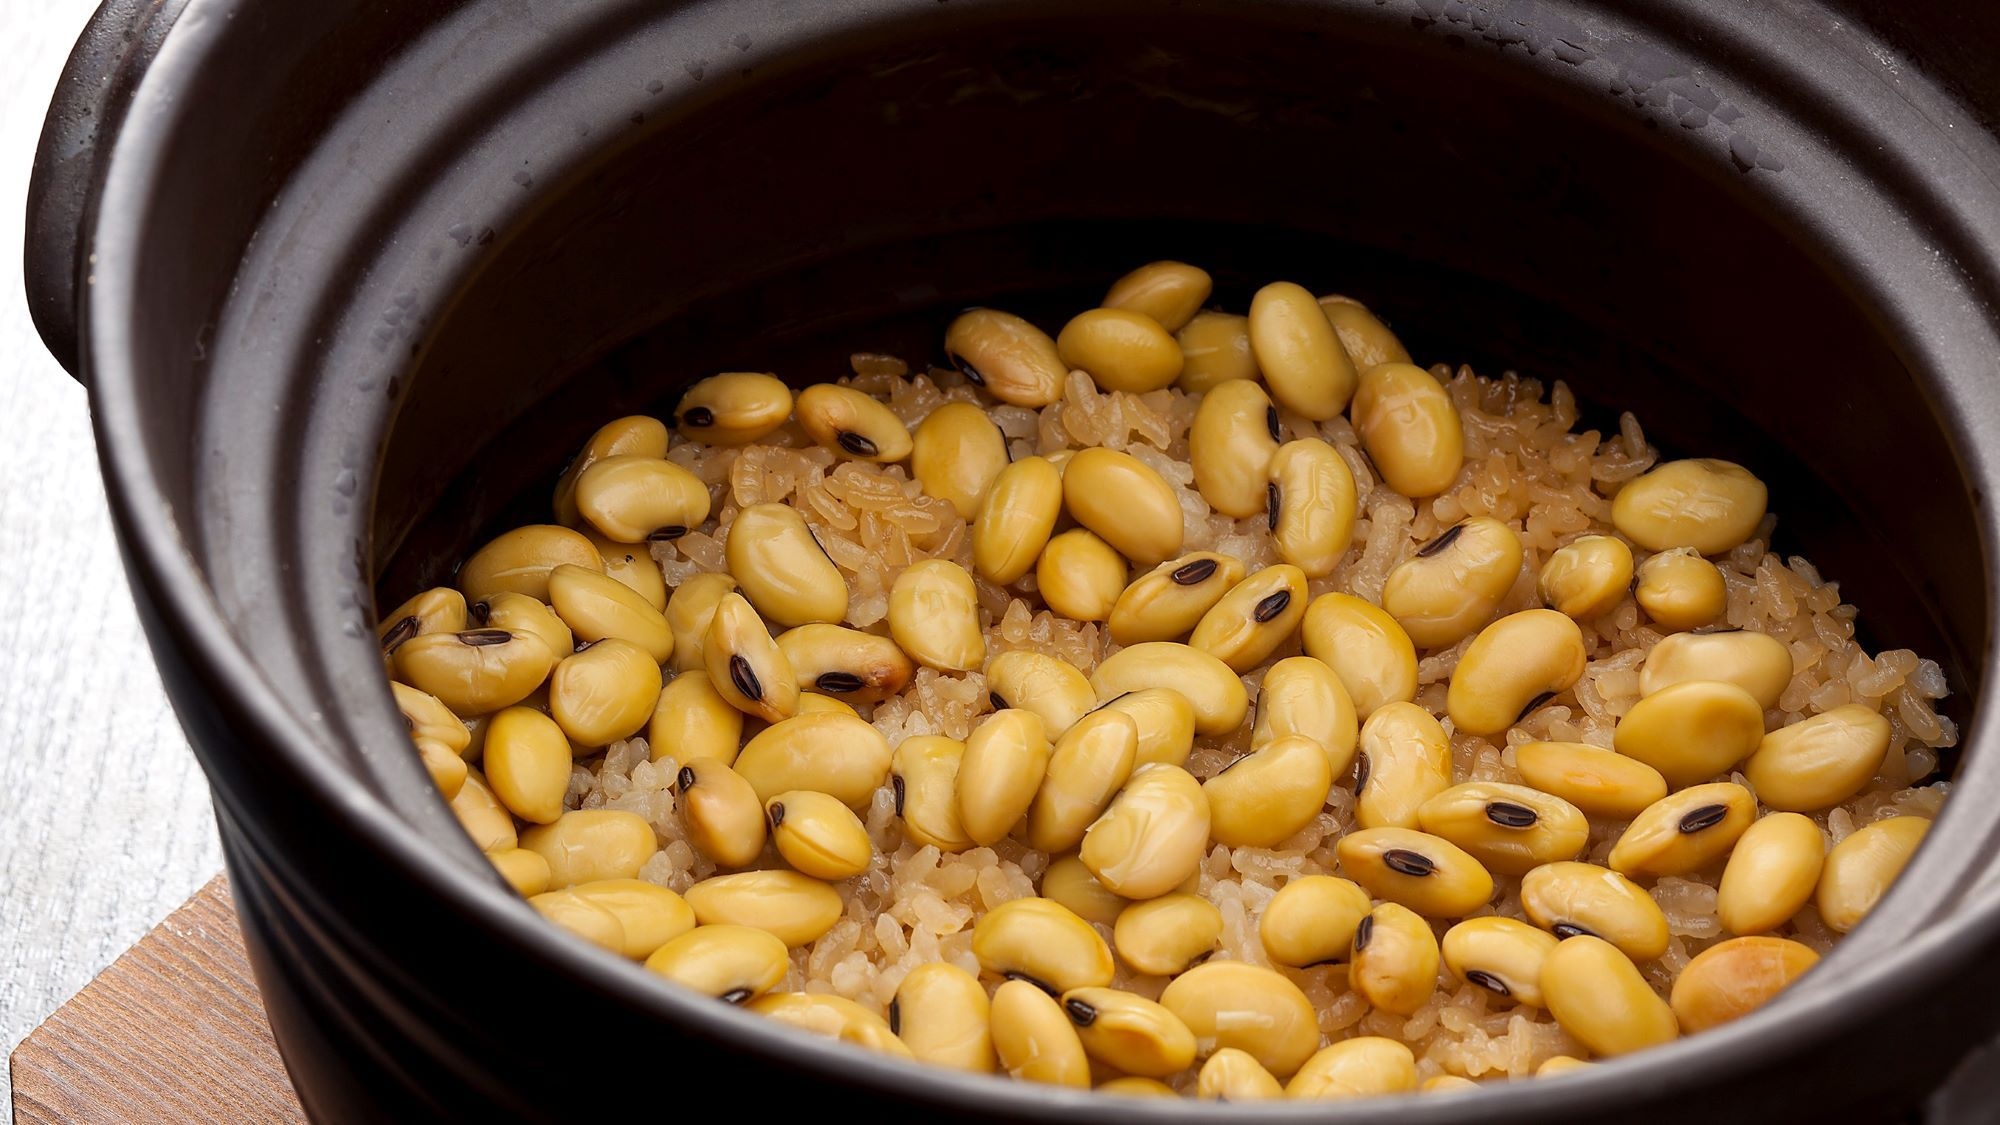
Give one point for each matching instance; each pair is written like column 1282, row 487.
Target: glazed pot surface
column 359, row 279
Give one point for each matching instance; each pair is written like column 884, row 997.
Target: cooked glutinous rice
column 1524, row 465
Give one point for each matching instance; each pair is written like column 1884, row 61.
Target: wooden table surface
column 169, row 1033
column 107, row 825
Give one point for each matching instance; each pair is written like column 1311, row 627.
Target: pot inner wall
column 1493, row 216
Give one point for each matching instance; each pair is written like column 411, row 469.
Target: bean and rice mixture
column 1187, row 704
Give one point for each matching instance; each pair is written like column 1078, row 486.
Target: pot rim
column 177, row 592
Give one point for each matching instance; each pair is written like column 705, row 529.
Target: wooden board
column 172, row 1032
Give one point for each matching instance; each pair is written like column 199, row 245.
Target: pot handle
column 89, row 105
